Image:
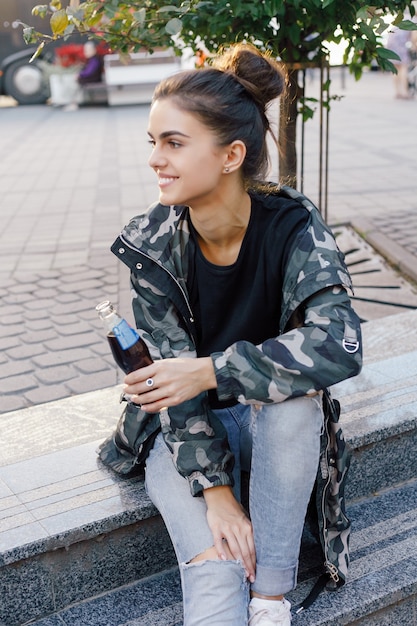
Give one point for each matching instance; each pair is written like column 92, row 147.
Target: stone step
column 153, row 601
column 70, row 526
column 379, row 418
column 381, row 589
column 71, row 530
column 382, row 583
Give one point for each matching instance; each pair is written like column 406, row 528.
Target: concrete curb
column 395, row 254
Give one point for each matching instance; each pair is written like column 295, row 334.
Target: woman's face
column 185, row 156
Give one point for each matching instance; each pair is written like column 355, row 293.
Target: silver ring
column 149, row 382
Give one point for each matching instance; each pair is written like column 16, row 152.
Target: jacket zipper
column 332, row 569
column 184, row 295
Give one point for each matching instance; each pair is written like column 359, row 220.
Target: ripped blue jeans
column 279, row 445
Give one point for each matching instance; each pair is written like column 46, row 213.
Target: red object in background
column 102, row 48
column 73, row 54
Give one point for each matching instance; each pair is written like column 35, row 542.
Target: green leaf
column 306, row 111
column 367, row 31
column 28, row 34
column 37, row 52
column 381, row 27
column 399, row 18
column 110, row 11
column 168, row 9
column 359, row 45
column 174, row 26
column 386, row 65
column 407, row 25
column 59, row 22
column 40, row 9
column 140, row 16
column 362, row 13
column 31, row 36
column 93, row 21
column 294, row 33
column 76, row 14
column 69, row 30
column 385, row 53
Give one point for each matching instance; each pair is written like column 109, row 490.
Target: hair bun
column 256, row 71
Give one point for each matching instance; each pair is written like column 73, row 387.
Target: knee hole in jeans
column 208, row 555
column 211, row 555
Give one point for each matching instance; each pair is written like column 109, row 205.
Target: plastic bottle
column 129, row 350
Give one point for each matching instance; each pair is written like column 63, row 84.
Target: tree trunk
column 287, row 138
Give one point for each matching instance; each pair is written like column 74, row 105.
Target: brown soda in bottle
column 129, row 350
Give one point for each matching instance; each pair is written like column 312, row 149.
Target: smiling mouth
column 166, row 180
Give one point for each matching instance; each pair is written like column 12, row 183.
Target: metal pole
column 326, row 172
column 321, row 139
column 302, row 137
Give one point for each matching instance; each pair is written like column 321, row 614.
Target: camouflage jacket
column 320, row 349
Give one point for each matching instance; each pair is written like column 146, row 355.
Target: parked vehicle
column 124, row 82
column 24, row 81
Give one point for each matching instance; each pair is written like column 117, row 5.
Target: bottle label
column 125, row 335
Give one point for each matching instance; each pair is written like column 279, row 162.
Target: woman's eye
column 173, row 144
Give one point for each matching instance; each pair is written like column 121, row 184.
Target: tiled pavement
column 69, row 181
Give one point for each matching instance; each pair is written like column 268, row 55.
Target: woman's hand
column 169, row 382
column 231, row 528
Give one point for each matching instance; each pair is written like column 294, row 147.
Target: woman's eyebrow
column 169, row 133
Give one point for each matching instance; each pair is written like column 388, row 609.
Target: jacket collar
column 159, row 232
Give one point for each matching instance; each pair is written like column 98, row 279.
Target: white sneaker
column 269, row 612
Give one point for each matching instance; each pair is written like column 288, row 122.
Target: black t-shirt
column 243, row 301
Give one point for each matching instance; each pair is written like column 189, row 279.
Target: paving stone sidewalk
column 69, row 181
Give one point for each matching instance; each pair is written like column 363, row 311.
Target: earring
column 226, row 170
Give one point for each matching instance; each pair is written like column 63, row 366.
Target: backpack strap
column 329, row 503
column 323, row 582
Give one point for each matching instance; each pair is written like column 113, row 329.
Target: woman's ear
column 235, row 155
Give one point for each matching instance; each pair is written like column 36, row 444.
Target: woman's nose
column 155, row 160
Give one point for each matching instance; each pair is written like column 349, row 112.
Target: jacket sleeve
column 322, row 351
column 194, row 435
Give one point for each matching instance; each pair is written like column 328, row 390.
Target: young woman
column 240, row 293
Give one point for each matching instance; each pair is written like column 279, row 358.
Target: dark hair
column 231, row 98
